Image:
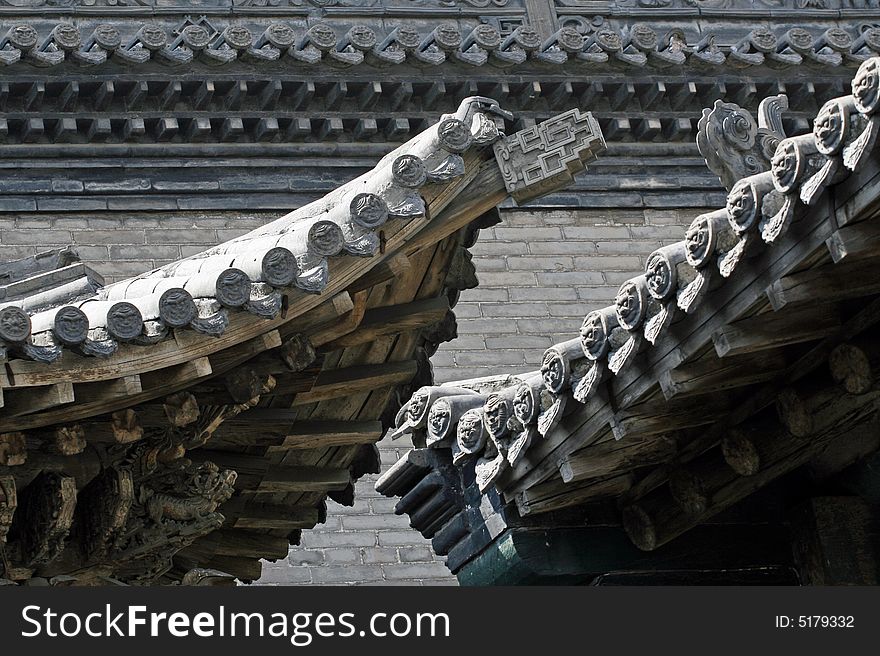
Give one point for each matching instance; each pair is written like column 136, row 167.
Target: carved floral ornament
column 524, row 408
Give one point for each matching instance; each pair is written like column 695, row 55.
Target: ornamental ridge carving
column 734, row 145
column 545, row 157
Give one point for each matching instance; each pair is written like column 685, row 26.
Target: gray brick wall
column 366, row 544
column 540, row 272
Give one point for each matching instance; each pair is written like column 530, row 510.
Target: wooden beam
column 34, row 399
column 666, row 512
column 394, row 319
column 857, row 198
column 168, row 378
column 242, row 542
column 345, row 325
column 615, row 456
column 327, row 312
column 764, row 395
column 394, row 267
column 255, row 515
column 661, row 416
column 281, row 478
column 555, row 494
column 321, row 434
column 832, row 282
column 711, row 374
column 257, row 473
column 336, row 383
column 231, row 357
column 244, row 569
column 774, row 330
column 856, row 241
column 110, row 389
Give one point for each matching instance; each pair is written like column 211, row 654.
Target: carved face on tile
column 784, row 166
column 570, row 39
column 195, row 36
column 238, row 36
column 608, row 39
column 438, row 419
column 279, row 267
column 362, row 37
column 659, row 275
column 325, row 238
column 527, row 37
column 487, row 36
column 280, row 35
column 23, row 36
column 800, row 38
column 124, row 321
column 322, row 36
column 838, row 38
column 524, row 406
column 830, row 127
column 417, row 405
column 71, row 325
column 698, row 242
column 233, row 287
column 176, row 307
column 644, row 37
column 497, row 411
column 763, row 39
column 866, row 87
column 153, row 36
column 871, row 36
column 741, row 208
column 553, row 371
column 447, row 36
column 107, row 37
column 629, row 305
column 594, row 339
column 471, row 432
column 66, row 36
column 408, row 37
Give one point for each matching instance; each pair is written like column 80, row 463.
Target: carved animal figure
column 207, row 489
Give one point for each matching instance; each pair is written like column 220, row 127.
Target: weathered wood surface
column 835, row 541
column 710, row 374
column 616, row 456
column 833, row 415
column 773, row 330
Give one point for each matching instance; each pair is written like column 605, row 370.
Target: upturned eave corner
column 154, row 372
column 610, row 416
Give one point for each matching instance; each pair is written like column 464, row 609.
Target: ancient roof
column 701, row 382
column 252, row 378
column 90, row 42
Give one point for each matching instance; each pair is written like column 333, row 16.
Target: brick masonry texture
column 540, row 272
column 365, row 544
